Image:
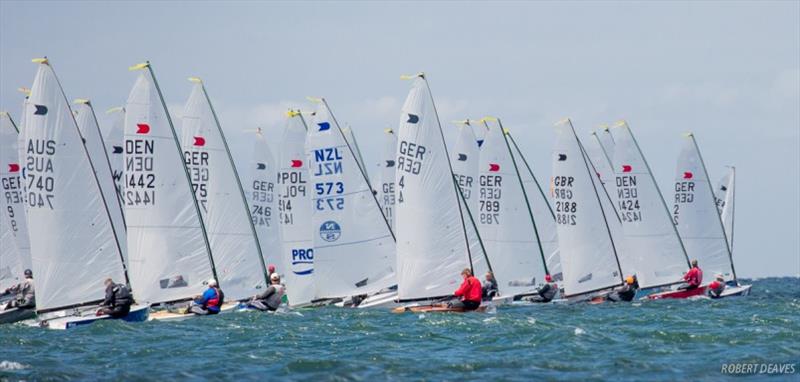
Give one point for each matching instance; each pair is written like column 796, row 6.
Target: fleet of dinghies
column 159, row 206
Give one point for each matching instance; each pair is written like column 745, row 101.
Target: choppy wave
column 658, row 340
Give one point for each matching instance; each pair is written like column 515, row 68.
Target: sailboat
column 653, row 249
column 114, row 139
column 386, row 193
column 261, row 187
column 15, row 254
column 725, row 199
column 505, row 217
column 95, row 145
column 354, row 247
column 232, row 236
column 295, row 211
column 542, row 210
column 67, row 213
column 168, row 250
column 588, row 251
column 434, row 226
column 698, row 221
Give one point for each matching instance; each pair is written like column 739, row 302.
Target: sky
column 727, row 71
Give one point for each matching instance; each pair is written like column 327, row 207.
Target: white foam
column 11, row 365
column 579, row 331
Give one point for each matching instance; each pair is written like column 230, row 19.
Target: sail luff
column 118, row 203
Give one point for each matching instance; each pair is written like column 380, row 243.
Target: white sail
column 15, row 254
column 505, row 219
column 725, row 198
column 606, row 140
column 295, row 211
column 74, row 248
column 431, row 245
column 263, row 200
column 95, row 145
column 695, row 213
column 231, row 234
column 588, row 255
column 386, row 192
column 114, row 139
column 542, row 211
column 354, row 250
column 168, row 250
column 653, row 248
column 464, row 159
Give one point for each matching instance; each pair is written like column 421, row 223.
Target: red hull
column 699, row 291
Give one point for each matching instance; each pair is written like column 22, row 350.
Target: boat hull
column 736, row 291
column 10, row 316
column 138, row 313
column 166, row 315
column 678, row 294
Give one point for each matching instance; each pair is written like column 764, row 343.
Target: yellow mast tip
column 412, row 76
column 80, row 101
column 139, row 66
column 115, row 109
column 24, row 90
column 314, row 99
column 292, row 113
column 3, row 113
column 620, row 123
column 196, row 80
column 388, row 130
column 40, row 60
column 688, row 134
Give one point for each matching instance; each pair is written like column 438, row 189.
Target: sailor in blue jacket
column 210, row 302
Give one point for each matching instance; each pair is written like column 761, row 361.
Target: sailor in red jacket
column 693, row 278
column 470, row 292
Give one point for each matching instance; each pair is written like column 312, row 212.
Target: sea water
column 647, row 340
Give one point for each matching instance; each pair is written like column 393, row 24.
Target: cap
column 629, row 280
column 212, row 283
column 274, row 276
column 548, row 278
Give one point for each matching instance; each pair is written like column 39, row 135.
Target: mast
column 235, row 176
column 459, row 194
column 719, row 217
column 119, row 202
column 522, row 187
column 146, row 65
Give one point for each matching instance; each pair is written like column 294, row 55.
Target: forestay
column 653, row 247
column 725, row 198
column 67, row 216
column 542, row 211
column 505, row 220
column 294, row 212
column 15, row 254
column 169, row 255
column 387, row 167
column 350, row 137
column 354, row 249
column 588, row 255
column 431, row 242
column 231, row 234
column 115, row 141
column 695, row 213
column 263, row 200
column 93, row 139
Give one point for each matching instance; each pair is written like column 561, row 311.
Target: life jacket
column 216, row 301
column 716, row 287
column 122, row 295
column 694, row 277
